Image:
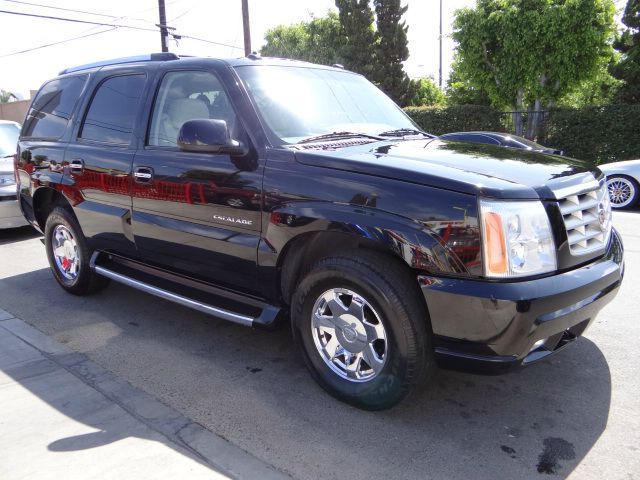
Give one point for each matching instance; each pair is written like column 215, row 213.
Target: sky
column 210, row 21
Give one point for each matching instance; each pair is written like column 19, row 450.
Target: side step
column 124, row 271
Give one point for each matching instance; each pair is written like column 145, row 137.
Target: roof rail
column 152, row 57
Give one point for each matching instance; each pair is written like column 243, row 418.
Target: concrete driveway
column 572, row 416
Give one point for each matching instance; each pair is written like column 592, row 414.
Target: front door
column 196, row 213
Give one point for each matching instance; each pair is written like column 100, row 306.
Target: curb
column 211, row 449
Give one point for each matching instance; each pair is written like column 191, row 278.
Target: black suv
column 257, row 189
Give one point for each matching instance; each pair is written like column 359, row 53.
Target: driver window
column 184, row 96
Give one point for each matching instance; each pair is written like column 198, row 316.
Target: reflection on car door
column 196, row 213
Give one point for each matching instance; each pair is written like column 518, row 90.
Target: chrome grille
column 587, row 217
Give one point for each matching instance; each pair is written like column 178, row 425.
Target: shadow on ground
column 11, row 235
column 251, row 387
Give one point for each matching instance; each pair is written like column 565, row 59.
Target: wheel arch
column 314, row 233
column 45, row 199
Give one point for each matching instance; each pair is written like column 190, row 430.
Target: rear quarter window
column 51, row 110
column 112, row 112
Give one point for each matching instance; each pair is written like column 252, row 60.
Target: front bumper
column 492, row 326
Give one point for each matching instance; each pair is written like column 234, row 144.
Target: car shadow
column 251, row 387
column 11, row 235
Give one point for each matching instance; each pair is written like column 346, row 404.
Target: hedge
column 463, row 118
column 596, row 134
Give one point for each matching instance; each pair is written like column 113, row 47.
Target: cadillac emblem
column 602, row 216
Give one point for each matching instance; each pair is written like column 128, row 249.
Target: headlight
column 7, row 179
column 517, row 239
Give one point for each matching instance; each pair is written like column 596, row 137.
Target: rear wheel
column 623, row 191
column 69, row 254
column 364, row 333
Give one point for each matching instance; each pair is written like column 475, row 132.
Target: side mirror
column 208, row 135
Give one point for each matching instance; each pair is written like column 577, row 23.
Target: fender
column 418, row 245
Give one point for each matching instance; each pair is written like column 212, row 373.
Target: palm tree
column 6, row 97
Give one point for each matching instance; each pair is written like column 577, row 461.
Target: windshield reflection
column 298, row 103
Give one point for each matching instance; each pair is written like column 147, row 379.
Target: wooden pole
column 245, row 26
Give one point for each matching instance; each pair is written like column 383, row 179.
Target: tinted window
column 472, row 137
column 112, row 112
column 184, row 96
column 51, row 109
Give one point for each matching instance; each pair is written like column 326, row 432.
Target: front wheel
column 623, row 191
column 363, row 330
column 69, row 255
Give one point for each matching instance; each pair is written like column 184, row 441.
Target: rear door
column 98, row 161
column 196, row 213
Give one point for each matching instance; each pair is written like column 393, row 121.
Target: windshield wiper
column 402, row 132
column 339, row 136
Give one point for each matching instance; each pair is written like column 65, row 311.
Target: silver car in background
column 623, row 182
column 10, row 214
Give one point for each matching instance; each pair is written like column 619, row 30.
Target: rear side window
column 112, row 113
column 51, row 109
column 482, row 139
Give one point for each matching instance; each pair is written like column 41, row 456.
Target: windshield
column 302, row 102
column 8, row 138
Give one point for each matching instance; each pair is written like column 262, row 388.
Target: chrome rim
column 65, row 252
column 349, row 335
column 621, row 192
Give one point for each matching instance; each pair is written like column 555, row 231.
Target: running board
column 266, row 318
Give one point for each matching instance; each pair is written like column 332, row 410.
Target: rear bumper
column 490, row 327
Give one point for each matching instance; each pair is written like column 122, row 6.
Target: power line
column 208, row 41
column 74, row 11
column 74, row 20
column 48, row 17
column 58, row 43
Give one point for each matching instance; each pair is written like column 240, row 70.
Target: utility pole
column 163, row 26
column 245, row 26
column 440, row 68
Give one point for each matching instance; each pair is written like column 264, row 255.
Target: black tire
column 623, row 191
column 83, row 281
column 393, row 295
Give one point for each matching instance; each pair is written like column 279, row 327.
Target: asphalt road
column 575, row 415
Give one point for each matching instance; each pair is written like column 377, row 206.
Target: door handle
column 143, row 174
column 77, row 165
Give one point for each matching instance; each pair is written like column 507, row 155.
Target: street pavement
column 250, row 400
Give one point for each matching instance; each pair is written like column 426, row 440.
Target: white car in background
column 10, row 214
column 623, row 182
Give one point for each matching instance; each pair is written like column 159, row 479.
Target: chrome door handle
column 143, row 174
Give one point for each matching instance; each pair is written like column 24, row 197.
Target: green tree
column 532, row 52
column 358, row 34
column 461, row 91
column 349, row 38
column 391, row 50
column 628, row 44
column 6, row 97
column 601, row 89
column 427, row 94
column 318, row 41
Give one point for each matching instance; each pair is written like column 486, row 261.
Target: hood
column 486, row 170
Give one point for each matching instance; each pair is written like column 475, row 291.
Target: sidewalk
column 63, row 416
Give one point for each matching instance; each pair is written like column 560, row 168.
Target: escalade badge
column 239, row 221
